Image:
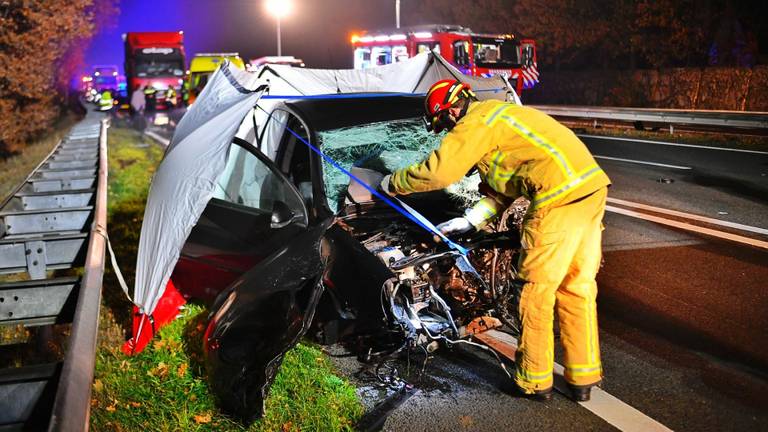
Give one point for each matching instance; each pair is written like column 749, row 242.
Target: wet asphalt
column 684, row 332
column 683, row 321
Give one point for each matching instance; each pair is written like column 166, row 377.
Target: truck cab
column 202, row 66
column 154, row 60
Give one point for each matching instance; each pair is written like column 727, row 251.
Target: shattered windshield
column 385, row 147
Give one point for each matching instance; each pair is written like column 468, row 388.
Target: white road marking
column 689, row 216
column 650, row 245
column 672, row 144
column 154, row 135
column 642, row 162
column 609, row 408
column 689, row 227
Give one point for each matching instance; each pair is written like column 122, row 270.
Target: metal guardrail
column 52, row 222
column 755, row 121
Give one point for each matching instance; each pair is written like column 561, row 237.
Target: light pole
column 397, row 13
column 279, row 9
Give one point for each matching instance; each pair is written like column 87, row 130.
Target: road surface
column 682, row 303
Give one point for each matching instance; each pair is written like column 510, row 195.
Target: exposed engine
column 437, row 295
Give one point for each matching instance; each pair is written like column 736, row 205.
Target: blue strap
column 360, row 95
column 339, row 96
column 401, row 207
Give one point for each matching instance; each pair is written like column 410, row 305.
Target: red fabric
column 166, row 311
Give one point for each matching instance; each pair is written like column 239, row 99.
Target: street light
column 279, row 9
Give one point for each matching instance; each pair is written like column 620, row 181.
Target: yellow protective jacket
column 518, row 151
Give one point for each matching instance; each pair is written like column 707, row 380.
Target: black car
column 289, row 245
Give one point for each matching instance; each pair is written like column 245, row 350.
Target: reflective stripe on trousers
column 559, row 262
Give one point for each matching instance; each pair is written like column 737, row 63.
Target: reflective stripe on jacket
column 518, row 151
column 106, row 99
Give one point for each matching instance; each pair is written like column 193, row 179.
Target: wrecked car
column 290, row 246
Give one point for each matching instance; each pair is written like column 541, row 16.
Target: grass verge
column 165, row 388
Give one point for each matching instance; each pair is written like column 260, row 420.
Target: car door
column 257, row 229
column 255, row 211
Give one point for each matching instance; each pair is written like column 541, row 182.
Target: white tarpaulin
column 186, row 178
column 197, row 155
column 414, row 76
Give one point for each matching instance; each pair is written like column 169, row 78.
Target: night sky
column 317, row 31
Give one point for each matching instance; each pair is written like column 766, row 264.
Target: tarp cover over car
column 185, row 180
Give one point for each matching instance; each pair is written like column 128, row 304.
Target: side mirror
column 282, row 215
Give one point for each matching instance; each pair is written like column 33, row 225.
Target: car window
column 250, row 182
column 384, row 146
column 293, row 158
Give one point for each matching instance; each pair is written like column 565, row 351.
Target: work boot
column 538, row 395
column 581, row 393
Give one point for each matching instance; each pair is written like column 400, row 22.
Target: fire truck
column 154, row 60
column 477, row 54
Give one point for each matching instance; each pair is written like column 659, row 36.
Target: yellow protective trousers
column 559, row 261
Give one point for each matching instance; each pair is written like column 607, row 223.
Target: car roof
column 351, row 109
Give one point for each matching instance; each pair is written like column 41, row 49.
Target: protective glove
column 455, row 226
column 386, row 186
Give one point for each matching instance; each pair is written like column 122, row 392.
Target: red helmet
column 443, row 94
column 440, row 97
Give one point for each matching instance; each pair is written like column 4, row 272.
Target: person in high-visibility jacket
column 170, row 97
column 520, row 151
column 106, row 102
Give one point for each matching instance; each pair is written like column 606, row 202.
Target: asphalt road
column 684, row 332
column 683, row 327
column 698, row 290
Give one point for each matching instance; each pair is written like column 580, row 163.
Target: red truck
column 154, row 60
column 477, row 54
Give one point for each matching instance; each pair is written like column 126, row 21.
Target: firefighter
column 519, row 151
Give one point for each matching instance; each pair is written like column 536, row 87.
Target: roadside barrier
column 719, row 121
column 52, row 245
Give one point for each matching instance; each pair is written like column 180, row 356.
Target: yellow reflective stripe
column 480, row 213
column 567, row 185
column 582, row 366
column 439, row 86
column 532, row 377
column 584, row 371
column 492, row 178
column 404, row 180
column 540, row 142
column 596, row 371
column 489, row 210
column 454, row 95
column 492, row 119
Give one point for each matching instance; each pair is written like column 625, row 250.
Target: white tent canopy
column 185, row 179
column 197, row 155
column 413, row 76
